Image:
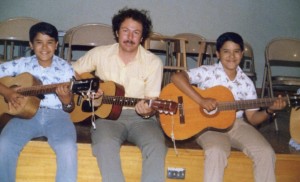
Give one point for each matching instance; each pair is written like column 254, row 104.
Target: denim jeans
column 61, row 134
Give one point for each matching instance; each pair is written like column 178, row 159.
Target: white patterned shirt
column 207, row 76
column 59, row 71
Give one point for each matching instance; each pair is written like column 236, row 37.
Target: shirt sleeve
column 197, row 75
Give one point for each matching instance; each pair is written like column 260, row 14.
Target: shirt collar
column 138, row 56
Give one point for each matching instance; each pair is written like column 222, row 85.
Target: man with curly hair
column 140, row 72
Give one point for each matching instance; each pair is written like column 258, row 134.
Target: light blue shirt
column 59, row 71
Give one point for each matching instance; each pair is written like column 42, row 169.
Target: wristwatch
column 269, row 113
column 68, row 107
column 146, row 117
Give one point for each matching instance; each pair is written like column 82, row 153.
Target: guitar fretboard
column 119, row 100
column 40, row 89
column 247, row 104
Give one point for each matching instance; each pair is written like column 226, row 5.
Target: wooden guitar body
column 112, row 101
column 29, row 104
column 190, row 118
column 108, row 111
column 31, row 88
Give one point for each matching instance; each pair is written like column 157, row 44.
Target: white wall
column 258, row 21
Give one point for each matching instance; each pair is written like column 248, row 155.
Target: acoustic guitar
column 190, row 119
column 112, row 102
column 27, row 85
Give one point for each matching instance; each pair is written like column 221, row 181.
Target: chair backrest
column 195, row 46
column 193, row 42
column 91, row 34
column 65, row 42
column 282, row 56
column 247, row 63
column 283, row 50
column 16, row 28
column 155, row 46
column 15, row 31
column 248, row 51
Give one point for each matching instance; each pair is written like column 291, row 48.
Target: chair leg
column 276, row 125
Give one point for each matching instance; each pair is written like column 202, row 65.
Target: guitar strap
column 93, row 118
column 91, row 98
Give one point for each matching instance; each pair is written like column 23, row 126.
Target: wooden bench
column 37, row 164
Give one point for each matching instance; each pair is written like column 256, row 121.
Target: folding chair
column 168, row 46
column 282, row 67
column 247, row 64
column 86, row 36
column 14, row 33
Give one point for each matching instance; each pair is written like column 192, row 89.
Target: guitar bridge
column 180, row 109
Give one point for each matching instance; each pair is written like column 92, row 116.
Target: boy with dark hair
column 52, row 119
column 242, row 135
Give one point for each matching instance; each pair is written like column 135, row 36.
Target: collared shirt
column 59, row 71
column 141, row 77
column 207, row 76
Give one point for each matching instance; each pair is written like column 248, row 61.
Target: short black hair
column 44, row 28
column 141, row 16
column 229, row 36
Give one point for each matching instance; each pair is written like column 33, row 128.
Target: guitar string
column 173, row 137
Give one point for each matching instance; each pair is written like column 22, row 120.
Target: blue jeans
column 61, row 134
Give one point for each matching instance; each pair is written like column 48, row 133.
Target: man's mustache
column 129, row 42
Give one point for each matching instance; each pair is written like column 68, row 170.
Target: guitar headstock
column 294, row 100
column 84, row 85
column 164, row 106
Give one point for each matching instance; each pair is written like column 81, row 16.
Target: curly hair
column 140, row 16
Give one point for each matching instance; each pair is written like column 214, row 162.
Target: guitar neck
column 120, row 100
column 246, row 104
column 40, row 89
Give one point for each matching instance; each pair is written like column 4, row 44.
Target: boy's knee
column 216, row 152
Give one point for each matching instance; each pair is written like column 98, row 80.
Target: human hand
column 279, row 104
column 64, row 94
column 143, row 109
column 13, row 98
column 209, row 104
column 98, row 94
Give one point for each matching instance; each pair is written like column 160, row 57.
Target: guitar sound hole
column 210, row 112
column 86, row 106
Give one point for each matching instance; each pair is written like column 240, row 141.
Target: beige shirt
column 141, row 77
